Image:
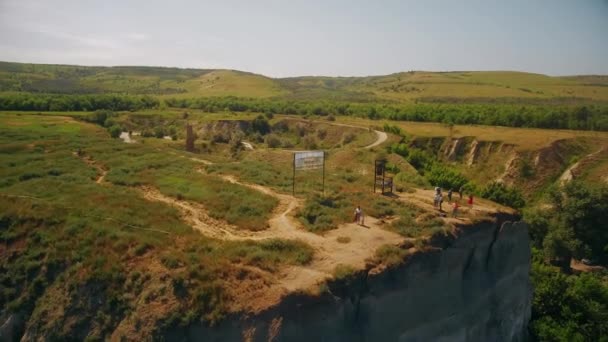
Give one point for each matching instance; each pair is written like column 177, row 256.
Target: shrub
column 342, row 272
column 390, row 255
column 419, row 159
column 500, row 193
column 29, row 175
column 319, row 214
column 272, row 141
column 392, row 129
column 445, row 177
column 400, row 149
column 115, row 131
column 309, row 142
column 159, row 132
column 260, row 125
column 347, row 138
column 321, row 133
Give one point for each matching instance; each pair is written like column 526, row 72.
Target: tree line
column 70, row 103
column 580, row 117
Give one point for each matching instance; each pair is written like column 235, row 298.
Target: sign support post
column 323, row 173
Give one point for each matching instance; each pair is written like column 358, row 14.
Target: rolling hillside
column 414, row 86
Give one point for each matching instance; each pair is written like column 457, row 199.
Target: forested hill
column 409, row 87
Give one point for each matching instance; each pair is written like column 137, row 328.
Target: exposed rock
column 473, row 152
column 511, row 173
column 8, row 328
column 454, row 149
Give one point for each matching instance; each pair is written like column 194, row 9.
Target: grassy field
column 66, row 236
column 401, row 87
column 77, row 229
column 82, row 249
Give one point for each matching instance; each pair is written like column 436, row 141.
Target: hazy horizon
column 277, row 39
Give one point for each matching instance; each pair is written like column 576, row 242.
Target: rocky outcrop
column 455, row 149
column 475, row 288
column 473, row 152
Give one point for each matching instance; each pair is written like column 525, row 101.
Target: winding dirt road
column 382, row 136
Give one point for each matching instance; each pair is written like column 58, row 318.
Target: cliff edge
column 473, row 286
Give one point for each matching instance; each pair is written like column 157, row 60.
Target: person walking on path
column 450, row 196
column 359, row 219
column 437, row 197
column 440, row 202
column 471, row 201
column 460, row 192
column 455, row 210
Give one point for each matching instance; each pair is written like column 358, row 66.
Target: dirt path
column 196, row 216
column 382, row 136
column 364, row 240
column 100, row 169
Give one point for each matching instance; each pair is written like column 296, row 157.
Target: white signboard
column 308, row 160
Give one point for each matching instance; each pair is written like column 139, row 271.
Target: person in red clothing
column 471, row 201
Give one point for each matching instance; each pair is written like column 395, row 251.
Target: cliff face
column 476, row 288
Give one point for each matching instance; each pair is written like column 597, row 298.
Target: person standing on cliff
column 450, row 196
column 359, row 216
column 455, row 210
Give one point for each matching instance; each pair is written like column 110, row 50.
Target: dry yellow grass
column 230, row 83
column 523, row 138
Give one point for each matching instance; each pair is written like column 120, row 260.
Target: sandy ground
column 580, row 267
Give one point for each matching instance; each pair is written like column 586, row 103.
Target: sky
column 296, row 38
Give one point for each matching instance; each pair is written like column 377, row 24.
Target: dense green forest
column 581, row 117
column 566, row 306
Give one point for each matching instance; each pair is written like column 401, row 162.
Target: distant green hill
column 418, row 86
